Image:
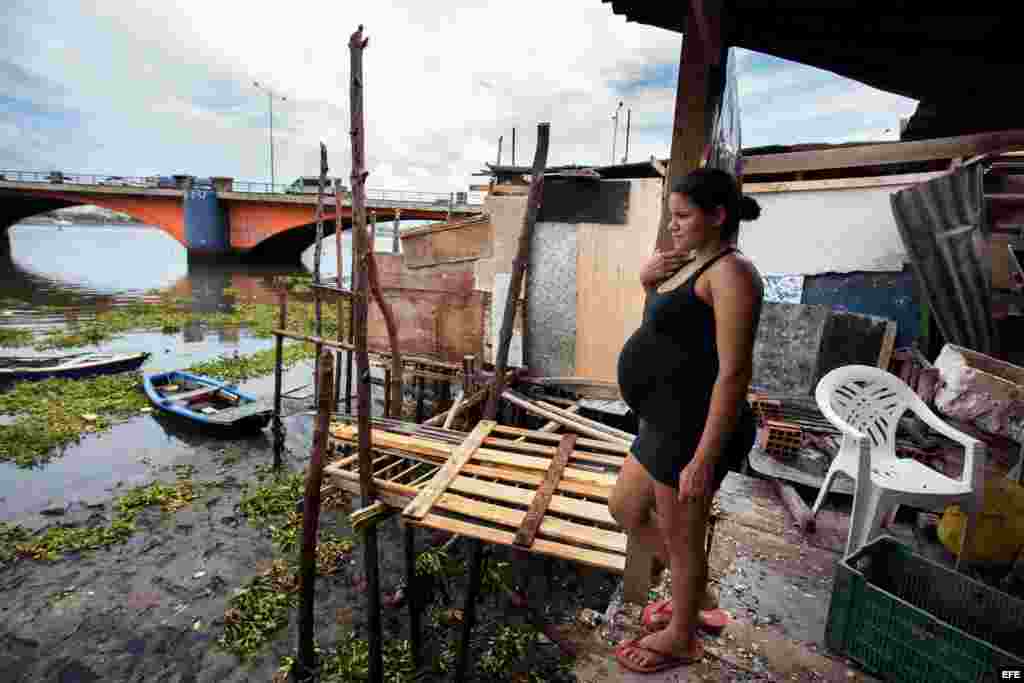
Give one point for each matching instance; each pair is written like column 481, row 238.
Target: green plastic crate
column 906, row 618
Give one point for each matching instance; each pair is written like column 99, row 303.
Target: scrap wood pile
column 793, row 430
column 543, row 492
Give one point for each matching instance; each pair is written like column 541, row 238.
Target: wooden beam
column 840, row 183
column 883, row 153
column 552, row 527
column 888, row 341
column 598, row 444
column 695, row 92
column 533, row 201
column 473, row 400
column 573, row 424
column 454, row 410
column 459, row 457
column 592, row 558
column 539, row 505
column 580, row 509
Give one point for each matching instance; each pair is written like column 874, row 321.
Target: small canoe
column 71, row 366
column 207, row 402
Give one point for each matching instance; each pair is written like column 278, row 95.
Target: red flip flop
column 661, row 660
column 710, row 620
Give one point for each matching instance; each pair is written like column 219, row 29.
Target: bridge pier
column 207, row 234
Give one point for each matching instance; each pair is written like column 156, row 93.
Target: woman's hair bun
column 749, row 209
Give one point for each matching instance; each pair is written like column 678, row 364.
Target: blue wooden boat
column 71, row 366
column 207, row 402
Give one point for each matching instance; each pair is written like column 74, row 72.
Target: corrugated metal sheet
column 942, row 226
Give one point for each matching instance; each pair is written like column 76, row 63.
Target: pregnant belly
column 659, row 379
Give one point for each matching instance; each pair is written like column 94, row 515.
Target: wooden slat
column 601, row 493
column 840, row 183
column 522, row 446
column 593, row 558
column 888, row 341
column 462, row 455
column 443, row 451
column 599, row 444
column 581, row 509
column 529, row 462
column 626, row 436
column 539, row 505
column 551, row 527
column 882, row 153
column 454, row 410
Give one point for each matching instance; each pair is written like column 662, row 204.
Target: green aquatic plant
column 54, row 413
column 55, row 541
column 258, row 610
column 506, row 649
column 12, row 337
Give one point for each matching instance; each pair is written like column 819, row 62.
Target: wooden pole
column 278, row 379
column 395, row 238
column 305, row 663
column 340, row 266
column 318, row 308
column 519, row 265
column 394, row 386
column 696, row 91
column 359, row 302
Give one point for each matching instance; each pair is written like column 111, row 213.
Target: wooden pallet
column 489, row 496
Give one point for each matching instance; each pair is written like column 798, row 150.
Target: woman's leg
column 683, row 527
column 632, row 503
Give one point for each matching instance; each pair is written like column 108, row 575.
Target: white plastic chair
column 865, row 403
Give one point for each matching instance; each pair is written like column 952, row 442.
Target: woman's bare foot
column 661, row 645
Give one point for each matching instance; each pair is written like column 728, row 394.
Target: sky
column 145, row 88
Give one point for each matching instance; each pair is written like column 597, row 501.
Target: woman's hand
column 696, row 481
column 661, row 266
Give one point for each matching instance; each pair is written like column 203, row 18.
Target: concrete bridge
column 222, row 219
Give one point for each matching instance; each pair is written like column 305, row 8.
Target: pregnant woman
column 685, row 373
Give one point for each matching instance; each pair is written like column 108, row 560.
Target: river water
column 58, row 273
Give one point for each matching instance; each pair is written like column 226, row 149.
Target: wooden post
column 348, row 358
column 519, row 265
column 317, row 304
column 469, row 385
column 359, row 301
column 395, row 238
column 700, row 84
column 394, row 386
column 696, row 90
column 387, row 393
column 340, row 269
column 278, row 379
column 305, row 663
column 420, row 386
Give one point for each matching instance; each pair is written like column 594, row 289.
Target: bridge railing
column 410, row 198
column 61, row 178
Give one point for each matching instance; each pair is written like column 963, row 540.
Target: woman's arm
column 735, row 291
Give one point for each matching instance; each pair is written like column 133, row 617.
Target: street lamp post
column 270, row 101
column 615, row 135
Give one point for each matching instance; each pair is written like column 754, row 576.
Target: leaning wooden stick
column 519, row 265
column 306, row 661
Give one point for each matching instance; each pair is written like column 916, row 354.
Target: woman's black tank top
column 668, row 367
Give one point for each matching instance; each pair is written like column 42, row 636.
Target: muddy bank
column 153, row 607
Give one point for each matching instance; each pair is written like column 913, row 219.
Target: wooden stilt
column 278, row 427
column 412, row 593
column 359, row 303
column 420, row 387
column 317, row 303
column 305, row 663
column 476, row 570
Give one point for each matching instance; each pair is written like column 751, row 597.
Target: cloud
column 161, row 87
